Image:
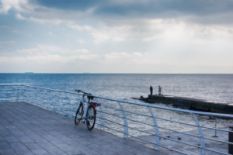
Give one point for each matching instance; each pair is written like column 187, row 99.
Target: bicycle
column 86, row 111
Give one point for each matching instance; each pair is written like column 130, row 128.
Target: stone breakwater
column 189, row 103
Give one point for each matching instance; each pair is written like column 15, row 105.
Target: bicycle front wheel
column 79, row 114
column 91, row 117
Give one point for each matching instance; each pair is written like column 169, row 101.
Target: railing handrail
column 128, row 102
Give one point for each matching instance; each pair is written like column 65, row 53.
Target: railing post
column 200, row 132
column 126, row 133
column 156, row 128
column 215, row 128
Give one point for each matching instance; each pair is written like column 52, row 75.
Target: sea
column 210, row 87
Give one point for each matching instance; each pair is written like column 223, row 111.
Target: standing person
column 151, row 90
column 160, row 91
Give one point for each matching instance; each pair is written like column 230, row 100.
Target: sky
column 116, row 36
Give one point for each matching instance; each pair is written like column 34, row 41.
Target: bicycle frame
column 85, row 101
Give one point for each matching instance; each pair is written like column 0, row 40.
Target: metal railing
column 173, row 130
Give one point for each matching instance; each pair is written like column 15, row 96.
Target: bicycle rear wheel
column 91, row 117
column 79, row 114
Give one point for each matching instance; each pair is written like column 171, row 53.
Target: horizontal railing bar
column 151, row 133
column 109, row 128
column 149, row 124
column 187, row 134
column 170, row 139
column 169, row 108
column 49, row 89
column 149, row 141
column 129, row 127
column 195, row 136
column 126, row 125
column 127, row 118
column 172, row 121
column 138, row 104
column 134, row 113
column 145, row 142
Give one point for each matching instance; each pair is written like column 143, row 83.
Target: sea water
column 210, row 87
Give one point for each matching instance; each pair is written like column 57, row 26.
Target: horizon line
column 109, row 73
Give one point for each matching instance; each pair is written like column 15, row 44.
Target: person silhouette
column 160, row 91
column 151, row 90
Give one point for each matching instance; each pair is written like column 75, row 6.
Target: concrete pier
column 190, row 103
column 29, row 130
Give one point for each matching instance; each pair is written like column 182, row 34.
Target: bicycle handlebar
column 80, row 91
column 89, row 95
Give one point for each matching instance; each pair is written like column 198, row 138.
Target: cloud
column 73, row 11
column 48, row 53
column 134, row 22
column 210, row 11
column 113, row 20
column 17, row 5
column 143, row 35
column 143, row 7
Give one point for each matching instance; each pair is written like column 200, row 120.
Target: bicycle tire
column 91, row 117
column 79, row 114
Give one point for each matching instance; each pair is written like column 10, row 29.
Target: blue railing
column 156, row 126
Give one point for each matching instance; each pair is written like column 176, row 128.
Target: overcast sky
column 116, row 36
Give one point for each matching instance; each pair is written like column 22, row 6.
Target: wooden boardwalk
column 29, row 130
